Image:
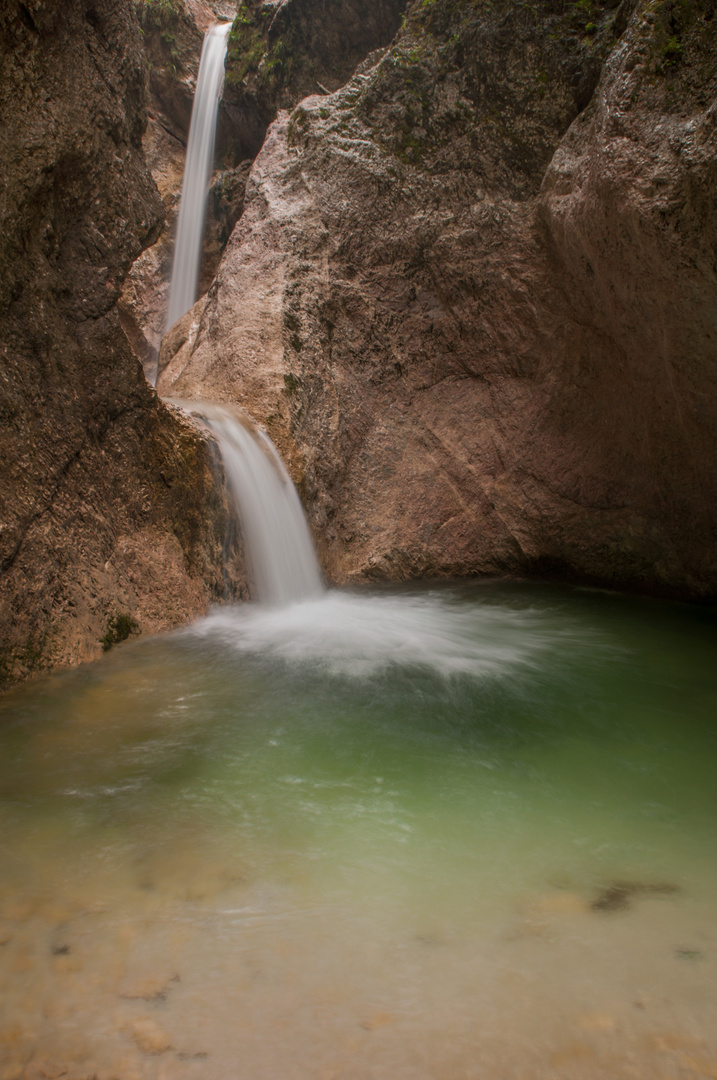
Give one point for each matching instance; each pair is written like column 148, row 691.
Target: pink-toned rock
column 475, row 315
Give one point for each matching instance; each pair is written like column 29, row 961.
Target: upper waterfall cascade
column 280, row 550
column 197, row 171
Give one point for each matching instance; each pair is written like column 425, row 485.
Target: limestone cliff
column 281, row 50
column 277, row 53
column 472, row 296
column 109, row 502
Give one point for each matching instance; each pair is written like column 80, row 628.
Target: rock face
column 110, row 504
column 277, row 54
column 281, row 50
column 472, row 296
column 172, row 34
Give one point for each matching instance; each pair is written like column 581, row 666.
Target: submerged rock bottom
column 446, row 834
column 187, row 981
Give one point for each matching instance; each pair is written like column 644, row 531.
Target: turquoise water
column 461, row 831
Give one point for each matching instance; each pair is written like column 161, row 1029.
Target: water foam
column 344, row 633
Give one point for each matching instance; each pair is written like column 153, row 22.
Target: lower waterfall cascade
column 280, row 550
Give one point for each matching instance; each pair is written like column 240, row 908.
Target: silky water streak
column 197, row 170
column 279, row 546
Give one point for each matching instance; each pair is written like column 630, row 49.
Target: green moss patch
column 119, row 628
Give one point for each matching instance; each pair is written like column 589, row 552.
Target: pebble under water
column 441, row 833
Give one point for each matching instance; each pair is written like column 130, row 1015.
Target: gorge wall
column 471, row 294
column 278, row 52
column 472, row 297
column 109, row 503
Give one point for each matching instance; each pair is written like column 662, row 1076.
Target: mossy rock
column 119, row 627
column 160, row 16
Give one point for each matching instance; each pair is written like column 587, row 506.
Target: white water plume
column 361, row 635
column 197, row 171
column 299, row 622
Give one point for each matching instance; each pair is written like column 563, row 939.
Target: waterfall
column 197, row 170
column 280, row 551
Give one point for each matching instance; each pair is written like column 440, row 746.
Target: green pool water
column 452, row 832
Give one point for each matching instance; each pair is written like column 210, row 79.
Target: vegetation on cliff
column 279, row 54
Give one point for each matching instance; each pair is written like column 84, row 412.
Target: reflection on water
column 453, row 834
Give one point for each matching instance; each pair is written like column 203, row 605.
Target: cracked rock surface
column 109, row 502
column 472, row 296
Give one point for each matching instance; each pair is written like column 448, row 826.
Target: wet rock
column 226, row 203
column 618, row 896
column 173, row 37
column 315, row 46
column 148, row 988
column 144, row 302
column 613, row 898
column 148, row 1036
column 690, row 954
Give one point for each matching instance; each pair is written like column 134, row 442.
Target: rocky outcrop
column 281, row 50
column 110, row 502
column 472, row 298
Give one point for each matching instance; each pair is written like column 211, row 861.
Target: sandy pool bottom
column 227, row 864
